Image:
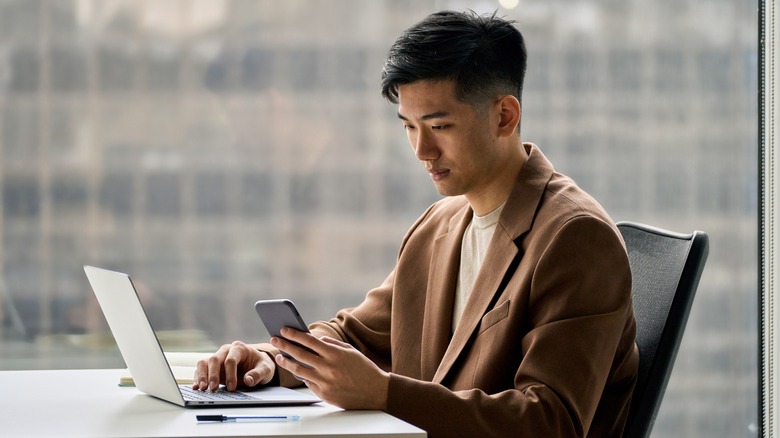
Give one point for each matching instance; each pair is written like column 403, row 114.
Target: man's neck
column 495, row 194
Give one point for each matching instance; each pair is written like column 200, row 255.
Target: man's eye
column 438, row 127
column 408, row 127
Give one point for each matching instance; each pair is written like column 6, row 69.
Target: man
column 509, row 309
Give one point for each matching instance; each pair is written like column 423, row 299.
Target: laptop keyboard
column 221, row 394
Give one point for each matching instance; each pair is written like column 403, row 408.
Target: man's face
column 454, row 141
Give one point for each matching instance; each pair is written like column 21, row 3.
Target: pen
column 246, row 418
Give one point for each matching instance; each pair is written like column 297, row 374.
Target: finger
column 314, row 386
column 296, row 351
column 234, row 356
column 308, row 374
column 336, row 342
column 201, row 373
column 300, row 337
column 201, row 376
column 316, row 389
column 215, row 369
column 306, row 339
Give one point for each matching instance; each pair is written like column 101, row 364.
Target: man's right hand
column 231, row 362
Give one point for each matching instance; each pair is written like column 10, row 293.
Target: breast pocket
column 495, row 316
column 495, row 347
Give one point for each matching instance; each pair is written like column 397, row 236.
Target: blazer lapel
column 440, row 298
column 516, row 219
column 497, row 262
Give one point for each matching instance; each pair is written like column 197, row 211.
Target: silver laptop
column 144, row 356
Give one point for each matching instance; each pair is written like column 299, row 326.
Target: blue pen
column 245, row 418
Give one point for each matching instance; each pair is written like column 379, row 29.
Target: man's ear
column 509, row 115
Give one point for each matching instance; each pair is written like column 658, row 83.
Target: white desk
column 88, row 403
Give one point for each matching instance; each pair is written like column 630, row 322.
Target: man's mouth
column 438, row 174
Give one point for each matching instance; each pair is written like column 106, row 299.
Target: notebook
column 146, row 361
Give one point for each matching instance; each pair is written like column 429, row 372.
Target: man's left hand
column 339, row 374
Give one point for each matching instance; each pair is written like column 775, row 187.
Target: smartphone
column 277, row 314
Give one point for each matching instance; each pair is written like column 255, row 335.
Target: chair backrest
column 665, row 271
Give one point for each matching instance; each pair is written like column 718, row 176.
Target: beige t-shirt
column 476, row 241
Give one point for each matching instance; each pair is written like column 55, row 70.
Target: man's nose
column 425, row 148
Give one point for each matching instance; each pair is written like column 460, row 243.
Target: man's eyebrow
column 436, row 115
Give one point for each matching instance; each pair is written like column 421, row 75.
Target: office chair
column 665, row 270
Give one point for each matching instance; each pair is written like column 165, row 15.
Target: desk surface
column 88, row 403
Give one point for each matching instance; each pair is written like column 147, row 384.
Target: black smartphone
column 277, row 314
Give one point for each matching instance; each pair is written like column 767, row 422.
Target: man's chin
column 447, row 191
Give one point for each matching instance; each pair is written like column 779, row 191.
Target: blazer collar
column 515, row 220
column 440, row 298
column 523, row 202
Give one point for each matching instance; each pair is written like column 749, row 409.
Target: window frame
column 769, row 215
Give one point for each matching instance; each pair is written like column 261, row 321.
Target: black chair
column 665, row 270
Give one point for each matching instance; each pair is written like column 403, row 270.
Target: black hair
column 485, row 56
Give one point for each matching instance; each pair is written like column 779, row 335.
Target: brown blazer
column 545, row 346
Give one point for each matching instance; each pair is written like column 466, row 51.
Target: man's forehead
column 427, row 99
column 440, row 87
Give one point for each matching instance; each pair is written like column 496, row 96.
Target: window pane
column 226, row 151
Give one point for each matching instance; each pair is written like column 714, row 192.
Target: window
column 231, row 150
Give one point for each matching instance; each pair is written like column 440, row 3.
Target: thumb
column 262, row 373
column 251, row 378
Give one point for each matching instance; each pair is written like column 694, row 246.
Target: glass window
column 163, row 195
column 162, row 66
column 21, row 197
column 244, row 151
column 625, row 69
column 397, row 191
column 669, row 70
column 20, row 21
column 68, row 69
column 116, row 195
column 257, row 69
column 116, row 68
column 256, row 195
column 211, row 194
column 715, row 69
column 304, row 192
column 580, row 69
column 24, row 70
column 68, row 194
column 21, row 135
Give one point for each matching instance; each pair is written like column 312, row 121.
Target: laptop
column 144, row 356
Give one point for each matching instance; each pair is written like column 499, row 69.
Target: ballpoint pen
column 245, row 418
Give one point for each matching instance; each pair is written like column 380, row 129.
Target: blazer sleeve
column 366, row 327
column 579, row 310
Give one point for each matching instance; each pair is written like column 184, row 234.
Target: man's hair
column 485, row 56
